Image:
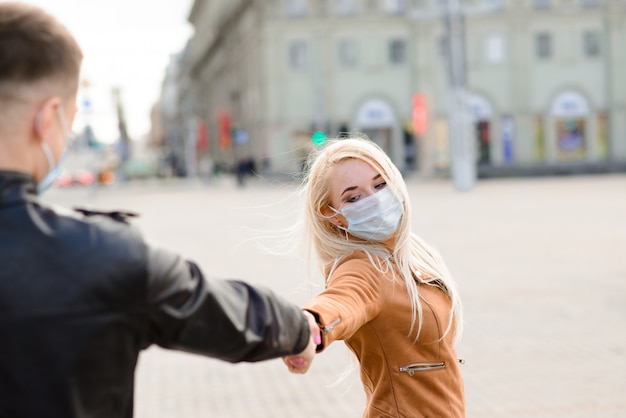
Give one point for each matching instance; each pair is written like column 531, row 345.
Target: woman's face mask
column 373, row 218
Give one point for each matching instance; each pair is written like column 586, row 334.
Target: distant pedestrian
column 82, row 293
column 388, row 294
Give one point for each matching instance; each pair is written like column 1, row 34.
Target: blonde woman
column 389, row 296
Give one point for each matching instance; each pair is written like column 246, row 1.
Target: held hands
column 300, row 363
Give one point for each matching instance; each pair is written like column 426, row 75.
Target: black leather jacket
column 81, row 294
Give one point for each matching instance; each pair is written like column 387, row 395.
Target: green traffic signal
column 318, row 138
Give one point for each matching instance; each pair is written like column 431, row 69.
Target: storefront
column 481, row 118
column 570, row 112
column 376, row 119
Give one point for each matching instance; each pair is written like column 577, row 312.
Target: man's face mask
column 54, row 168
column 374, row 218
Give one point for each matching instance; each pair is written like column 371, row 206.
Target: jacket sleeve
column 350, row 300
column 225, row 319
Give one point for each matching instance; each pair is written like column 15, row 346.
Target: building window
column 395, row 7
column 420, row 4
column 442, row 47
column 319, row 8
column 590, row 3
column 543, row 45
column 348, row 52
column 296, row 8
column 345, row 7
column 591, row 43
column 496, row 4
column 298, row 55
column 542, row 4
column 397, row 51
column 540, row 138
column 371, row 5
column 495, row 49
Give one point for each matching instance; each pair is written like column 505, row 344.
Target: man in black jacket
column 81, row 293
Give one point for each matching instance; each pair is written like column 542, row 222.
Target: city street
column 541, row 265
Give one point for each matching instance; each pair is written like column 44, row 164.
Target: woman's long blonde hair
column 416, row 261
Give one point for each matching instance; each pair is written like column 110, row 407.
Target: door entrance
column 483, row 137
column 381, row 136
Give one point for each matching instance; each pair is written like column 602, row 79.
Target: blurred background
column 523, row 102
column 464, row 89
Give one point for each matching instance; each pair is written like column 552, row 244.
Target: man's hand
column 300, row 363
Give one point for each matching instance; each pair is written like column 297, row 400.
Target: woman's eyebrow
column 347, row 189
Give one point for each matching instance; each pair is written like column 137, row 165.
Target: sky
column 127, row 45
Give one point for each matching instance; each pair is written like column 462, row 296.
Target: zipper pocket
column 328, row 328
column 410, row 369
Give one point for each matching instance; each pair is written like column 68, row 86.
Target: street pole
column 462, row 146
column 462, row 155
column 318, row 63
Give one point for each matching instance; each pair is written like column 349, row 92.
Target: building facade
column 543, row 80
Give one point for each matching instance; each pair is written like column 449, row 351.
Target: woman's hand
column 300, row 363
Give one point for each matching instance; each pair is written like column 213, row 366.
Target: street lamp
column 462, row 158
column 462, row 153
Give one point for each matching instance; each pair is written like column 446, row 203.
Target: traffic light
column 420, row 117
column 318, row 138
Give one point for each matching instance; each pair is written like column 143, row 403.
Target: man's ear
column 45, row 119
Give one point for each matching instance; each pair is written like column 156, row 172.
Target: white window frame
column 592, row 44
column 348, row 51
column 296, row 8
column 395, row 7
column 396, row 57
column 344, row 7
column 298, row 54
column 542, row 4
column 543, row 46
column 495, row 49
column 590, row 4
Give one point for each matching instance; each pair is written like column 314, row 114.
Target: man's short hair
column 35, row 46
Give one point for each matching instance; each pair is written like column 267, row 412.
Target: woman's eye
column 352, row 199
column 380, row 185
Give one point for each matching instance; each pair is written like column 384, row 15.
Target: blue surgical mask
column 375, row 217
column 54, row 168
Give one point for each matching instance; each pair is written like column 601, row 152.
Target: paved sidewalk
column 541, row 264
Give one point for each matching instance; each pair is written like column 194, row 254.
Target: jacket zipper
column 328, row 328
column 417, row 367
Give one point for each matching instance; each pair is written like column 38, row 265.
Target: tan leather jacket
column 371, row 312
